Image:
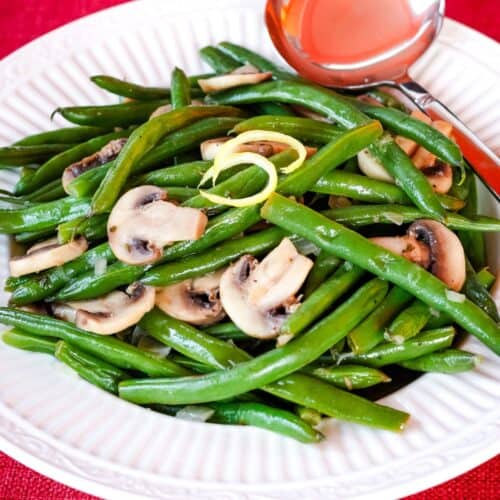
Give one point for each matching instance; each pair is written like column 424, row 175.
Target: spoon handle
column 483, row 161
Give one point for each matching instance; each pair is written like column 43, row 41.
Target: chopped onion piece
column 195, row 413
column 454, row 296
column 149, row 344
column 100, row 266
column 398, row 219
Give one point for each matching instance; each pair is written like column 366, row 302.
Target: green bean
column 181, row 194
column 130, row 90
column 51, row 191
column 338, row 109
column 69, row 135
column 362, row 188
column 186, row 174
column 29, row 237
column 329, row 157
column 143, row 140
column 408, row 322
column 175, row 143
column 191, row 342
column 220, row 228
column 349, row 376
column 264, row 369
column 351, row 246
column 473, row 243
column 190, row 364
column 222, row 64
column 92, row 369
column 485, row 278
column 332, row 155
column 92, row 228
column 272, row 108
column 13, row 201
column 478, row 293
column 42, row 215
column 303, row 129
column 427, row 136
column 362, row 215
column 213, row 259
column 351, row 165
column 446, row 361
column 309, row 415
column 410, row 179
column 320, row 301
column 193, row 80
column 22, row 340
column 54, row 168
column 107, row 348
column 370, row 332
column 226, row 331
column 324, row 101
column 183, row 140
column 265, row 417
column 389, row 353
column 181, row 91
column 15, row 156
column 111, row 115
column 385, row 98
column 246, row 56
column 324, row 265
column 298, row 388
column 33, row 288
column 217, row 60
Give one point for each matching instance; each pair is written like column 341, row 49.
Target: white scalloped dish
column 77, row 434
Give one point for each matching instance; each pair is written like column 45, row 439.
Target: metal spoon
column 388, row 67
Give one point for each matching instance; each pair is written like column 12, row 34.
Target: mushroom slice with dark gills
column 258, row 297
column 47, row 254
column 433, row 246
column 194, row 301
column 142, row 222
column 111, row 313
column 106, row 154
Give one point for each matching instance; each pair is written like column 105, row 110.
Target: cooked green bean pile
column 247, row 248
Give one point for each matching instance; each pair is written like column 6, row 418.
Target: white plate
column 71, row 431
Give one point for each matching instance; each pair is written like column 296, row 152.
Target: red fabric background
column 24, row 20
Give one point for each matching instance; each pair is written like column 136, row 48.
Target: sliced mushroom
column 210, row 147
column 195, row 301
column 259, row 297
column 106, row 154
column 45, row 255
column 433, row 246
column 440, row 176
column 245, row 75
column 111, row 313
column 142, row 223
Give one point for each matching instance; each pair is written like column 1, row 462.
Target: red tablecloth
column 24, row 20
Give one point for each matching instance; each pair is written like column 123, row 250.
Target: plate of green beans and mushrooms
column 221, row 278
